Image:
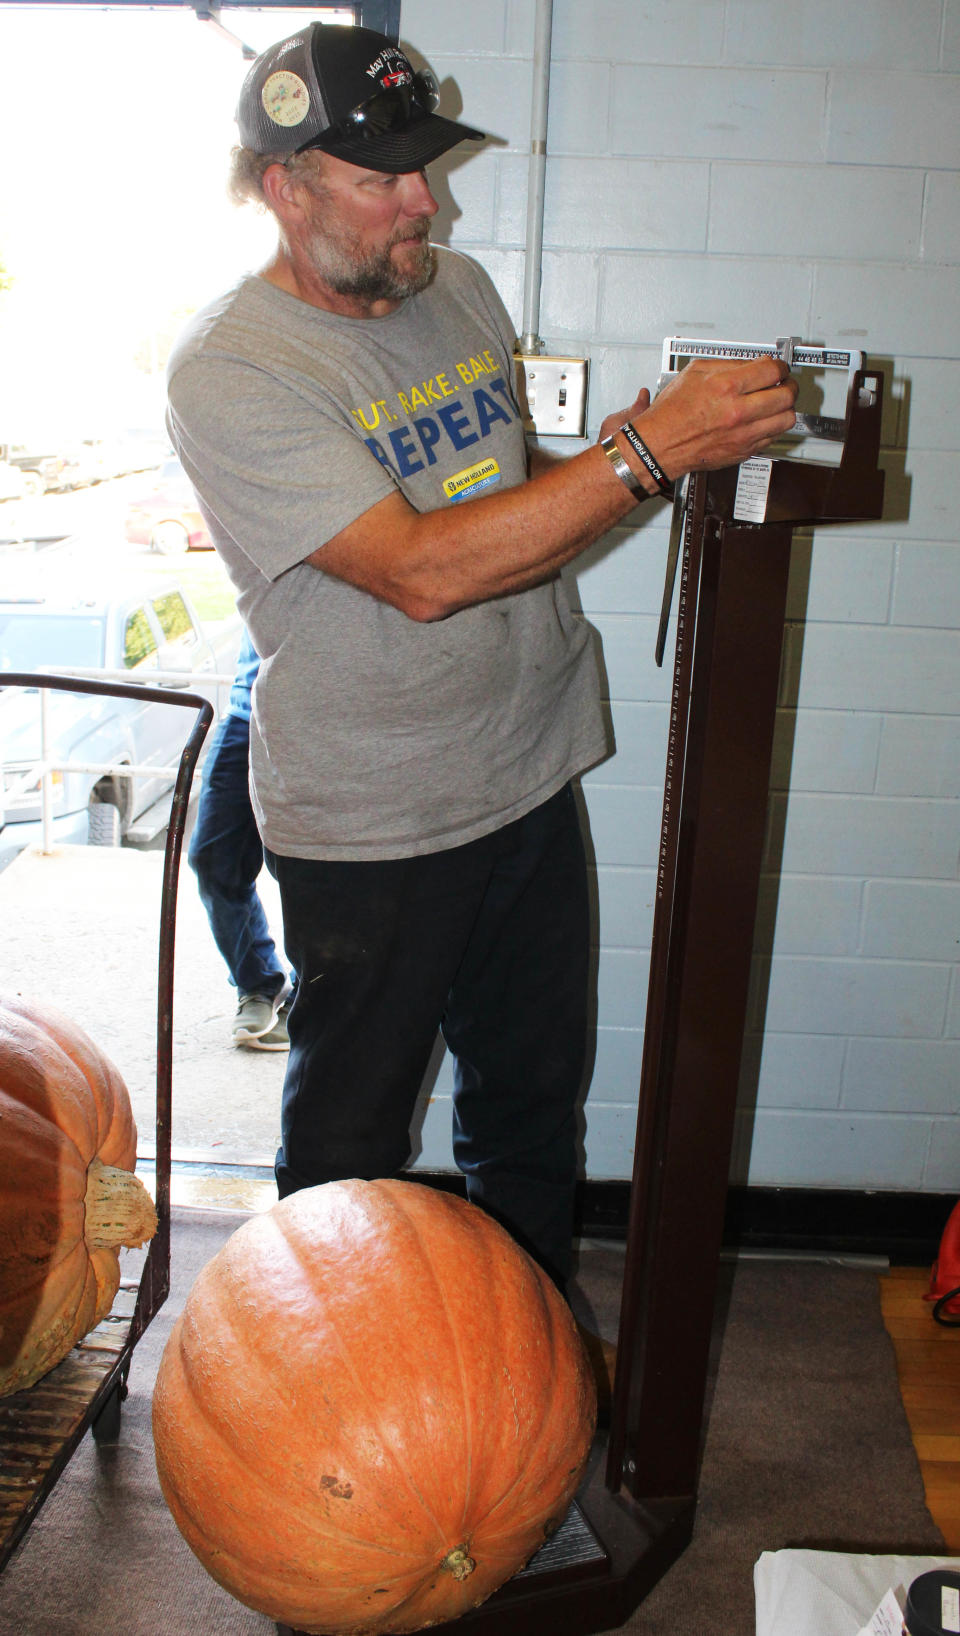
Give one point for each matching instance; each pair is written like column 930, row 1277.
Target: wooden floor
column 928, row 1364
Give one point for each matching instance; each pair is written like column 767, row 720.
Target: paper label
column 887, row 1621
column 950, row 1607
column 753, row 483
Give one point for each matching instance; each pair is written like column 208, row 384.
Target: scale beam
column 788, row 487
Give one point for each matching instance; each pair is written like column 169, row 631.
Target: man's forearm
column 431, row 564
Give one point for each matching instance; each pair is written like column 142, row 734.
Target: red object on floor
column 945, row 1277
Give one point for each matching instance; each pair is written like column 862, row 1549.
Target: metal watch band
column 622, row 470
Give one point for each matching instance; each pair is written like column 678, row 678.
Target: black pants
column 488, row 942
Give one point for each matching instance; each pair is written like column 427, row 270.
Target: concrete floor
column 80, row 931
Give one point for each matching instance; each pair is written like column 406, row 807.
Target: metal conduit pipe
column 530, row 342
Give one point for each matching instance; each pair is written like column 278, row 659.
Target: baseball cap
column 350, row 92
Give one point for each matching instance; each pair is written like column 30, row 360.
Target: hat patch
column 391, row 68
column 285, row 98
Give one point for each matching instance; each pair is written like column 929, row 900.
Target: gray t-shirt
column 373, row 735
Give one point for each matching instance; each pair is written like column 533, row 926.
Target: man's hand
column 716, row 413
column 612, row 423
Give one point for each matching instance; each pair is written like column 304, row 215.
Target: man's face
column 369, row 231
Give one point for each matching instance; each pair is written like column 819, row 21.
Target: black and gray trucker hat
column 349, row 91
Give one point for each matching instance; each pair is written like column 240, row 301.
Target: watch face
column 285, row 98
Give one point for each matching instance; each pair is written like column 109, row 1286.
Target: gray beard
column 371, row 276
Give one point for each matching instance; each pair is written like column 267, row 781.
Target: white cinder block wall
column 749, row 168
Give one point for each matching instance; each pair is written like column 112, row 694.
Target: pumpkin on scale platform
column 68, row 1196
column 372, row 1411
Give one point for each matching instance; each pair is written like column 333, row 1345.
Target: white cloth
column 830, row 1593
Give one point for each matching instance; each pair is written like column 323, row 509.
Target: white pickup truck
column 148, row 632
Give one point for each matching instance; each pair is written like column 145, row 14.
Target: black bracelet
column 638, row 446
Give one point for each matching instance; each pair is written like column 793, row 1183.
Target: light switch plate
column 553, row 394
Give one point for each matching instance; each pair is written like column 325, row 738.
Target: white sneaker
column 276, row 1038
column 256, row 1015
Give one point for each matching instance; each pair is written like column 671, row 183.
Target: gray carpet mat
column 807, row 1444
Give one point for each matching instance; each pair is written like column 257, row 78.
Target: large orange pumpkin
column 68, row 1198
column 373, row 1409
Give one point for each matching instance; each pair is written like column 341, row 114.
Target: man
column 425, row 697
column 226, row 854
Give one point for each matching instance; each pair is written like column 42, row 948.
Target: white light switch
column 553, row 395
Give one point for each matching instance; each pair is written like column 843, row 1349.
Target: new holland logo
column 466, row 485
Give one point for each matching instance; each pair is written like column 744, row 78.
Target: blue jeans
column 227, row 854
column 489, row 942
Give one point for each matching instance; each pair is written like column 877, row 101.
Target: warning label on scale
column 753, row 483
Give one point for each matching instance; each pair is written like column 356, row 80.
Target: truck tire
column 103, row 824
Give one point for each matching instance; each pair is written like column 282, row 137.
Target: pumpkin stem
column 118, row 1209
column 458, row 1563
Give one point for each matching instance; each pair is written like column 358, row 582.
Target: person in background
column 226, row 853
column 349, row 420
